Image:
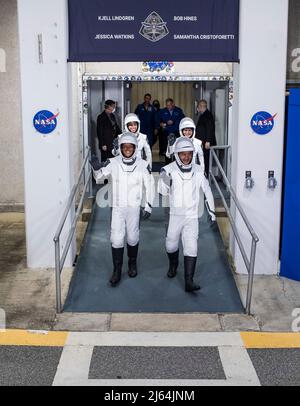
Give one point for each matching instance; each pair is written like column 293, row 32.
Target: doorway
column 128, row 94
column 152, row 291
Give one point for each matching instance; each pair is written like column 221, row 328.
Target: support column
column 47, row 158
column 259, row 85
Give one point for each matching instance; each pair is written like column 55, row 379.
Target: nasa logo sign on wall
column 262, row 122
column 45, row 122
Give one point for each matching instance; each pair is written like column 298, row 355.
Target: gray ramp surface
column 151, row 291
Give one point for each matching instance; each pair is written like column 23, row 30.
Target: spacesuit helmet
column 187, row 122
column 128, row 138
column 184, row 144
column 131, row 118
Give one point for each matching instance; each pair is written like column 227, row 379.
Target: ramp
column 151, row 291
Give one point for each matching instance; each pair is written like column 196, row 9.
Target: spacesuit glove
column 95, row 163
column 171, row 139
column 115, row 144
column 146, row 213
column 213, row 223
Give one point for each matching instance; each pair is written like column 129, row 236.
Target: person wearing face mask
column 129, row 177
column 132, row 125
column 181, row 181
column 205, row 131
column 107, row 129
column 187, row 128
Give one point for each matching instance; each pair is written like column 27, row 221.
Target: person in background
column 146, row 114
column 169, row 120
column 205, row 131
column 157, row 130
column 132, row 125
column 107, row 129
column 187, row 129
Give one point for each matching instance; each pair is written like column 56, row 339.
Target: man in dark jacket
column 205, row 131
column 107, row 129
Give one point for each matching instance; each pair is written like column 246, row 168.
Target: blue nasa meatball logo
column 45, row 122
column 262, row 122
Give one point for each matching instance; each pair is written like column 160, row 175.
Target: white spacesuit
column 129, row 176
column 143, row 145
column 186, row 123
column 181, row 181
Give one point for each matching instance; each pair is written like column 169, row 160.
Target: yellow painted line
column 33, row 338
column 271, row 340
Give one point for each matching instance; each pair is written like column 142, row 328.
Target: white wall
column 47, row 159
column 259, row 84
column 75, row 120
column 11, row 152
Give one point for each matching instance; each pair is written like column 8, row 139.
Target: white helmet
column 132, row 118
column 183, row 144
column 128, row 138
column 187, row 123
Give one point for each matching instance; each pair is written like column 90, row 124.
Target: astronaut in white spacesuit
column 187, row 128
column 132, row 124
column 181, row 181
column 129, row 175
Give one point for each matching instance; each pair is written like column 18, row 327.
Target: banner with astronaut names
column 199, row 31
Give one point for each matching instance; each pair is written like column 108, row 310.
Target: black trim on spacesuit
column 129, row 163
column 166, row 178
column 208, row 208
column 184, row 170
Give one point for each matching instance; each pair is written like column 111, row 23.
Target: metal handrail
column 249, row 263
column 59, row 261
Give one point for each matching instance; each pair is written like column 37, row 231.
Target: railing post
column 91, row 178
column 210, row 166
column 249, row 264
column 59, row 263
column 57, row 276
column 251, row 277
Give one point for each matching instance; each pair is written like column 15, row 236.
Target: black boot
column 189, row 271
column 173, row 264
column 132, row 252
column 117, row 255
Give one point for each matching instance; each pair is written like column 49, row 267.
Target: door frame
column 84, row 77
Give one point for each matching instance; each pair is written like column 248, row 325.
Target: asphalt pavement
column 112, row 359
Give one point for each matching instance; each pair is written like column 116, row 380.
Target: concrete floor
column 28, row 297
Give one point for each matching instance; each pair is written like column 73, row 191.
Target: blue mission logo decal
column 45, row 122
column 262, row 122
